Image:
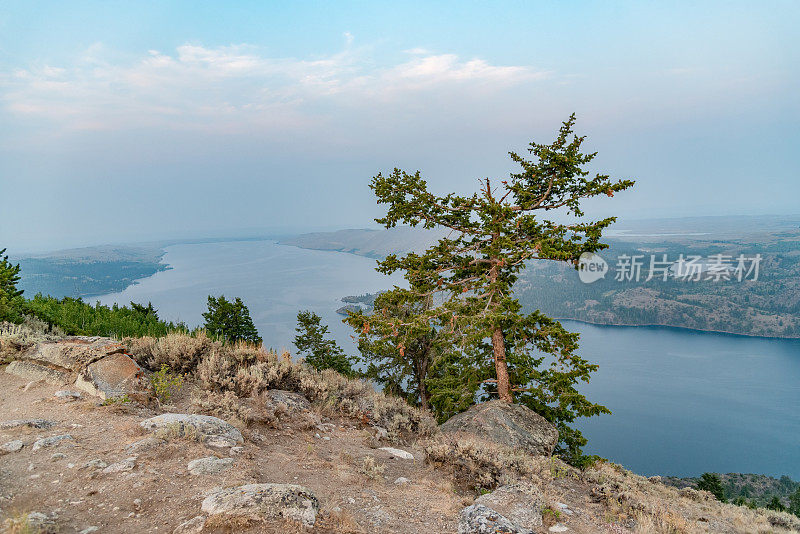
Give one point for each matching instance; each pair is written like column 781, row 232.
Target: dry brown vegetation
column 242, row 371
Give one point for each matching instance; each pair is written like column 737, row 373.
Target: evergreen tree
column 491, row 235
column 230, row 320
column 10, row 296
column 794, row 502
column 319, row 353
column 776, row 504
column 713, row 484
column 399, row 345
column 148, row 311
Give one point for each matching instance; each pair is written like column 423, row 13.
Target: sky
column 129, row 121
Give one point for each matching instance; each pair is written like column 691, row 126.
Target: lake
column 684, row 402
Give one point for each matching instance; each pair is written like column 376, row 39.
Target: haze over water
column 684, row 402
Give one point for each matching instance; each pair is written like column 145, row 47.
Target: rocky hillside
column 182, row 434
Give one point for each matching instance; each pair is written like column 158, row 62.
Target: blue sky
column 122, row 121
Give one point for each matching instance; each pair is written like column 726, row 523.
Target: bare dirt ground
column 159, row 493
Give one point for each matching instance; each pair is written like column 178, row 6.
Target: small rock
column 57, row 456
column 401, row 481
column 219, row 442
column 137, row 503
column 42, row 424
column 89, row 530
column 478, row 519
column 191, row 526
column 11, row 446
column 398, row 453
column 209, row 466
column 41, row 522
column 558, row 527
column 259, row 501
column 565, row 508
column 125, row 465
column 67, row 395
column 145, row 444
column 51, row 441
column 95, row 464
column 237, row 450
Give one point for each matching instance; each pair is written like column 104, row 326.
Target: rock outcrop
column 265, row 501
column 115, row 376
column 96, row 365
column 511, row 425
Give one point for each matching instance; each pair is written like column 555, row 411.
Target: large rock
column 511, row 425
column 30, row 370
column 265, row 501
column 115, row 376
column 478, row 519
column 520, row 503
column 201, row 427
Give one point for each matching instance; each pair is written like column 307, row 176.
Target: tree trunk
column 424, row 396
column 501, row 368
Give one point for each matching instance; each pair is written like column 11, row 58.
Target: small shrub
column 372, row 469
column 166, row 383
column 482, row 464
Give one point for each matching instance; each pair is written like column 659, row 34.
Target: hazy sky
column 138, row 120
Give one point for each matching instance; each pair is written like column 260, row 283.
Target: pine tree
column 711, row 483
column 230, row 320
column 794, row 502
column 398, row 345
column 319, row 353
column 10, row 296
column 776, row 504
column 503, row 351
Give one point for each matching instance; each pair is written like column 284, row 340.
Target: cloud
column 196, row 86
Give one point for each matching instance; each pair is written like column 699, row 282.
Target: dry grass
column 15, row 338
column 661, row 509
column 484, row 465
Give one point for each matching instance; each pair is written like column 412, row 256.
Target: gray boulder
column 265, row 501
column 478, row 519
column 209, row 466
column 520, row 503
column 511, row 425
column 200, row 427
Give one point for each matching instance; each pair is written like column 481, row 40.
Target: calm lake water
column 684, row 402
